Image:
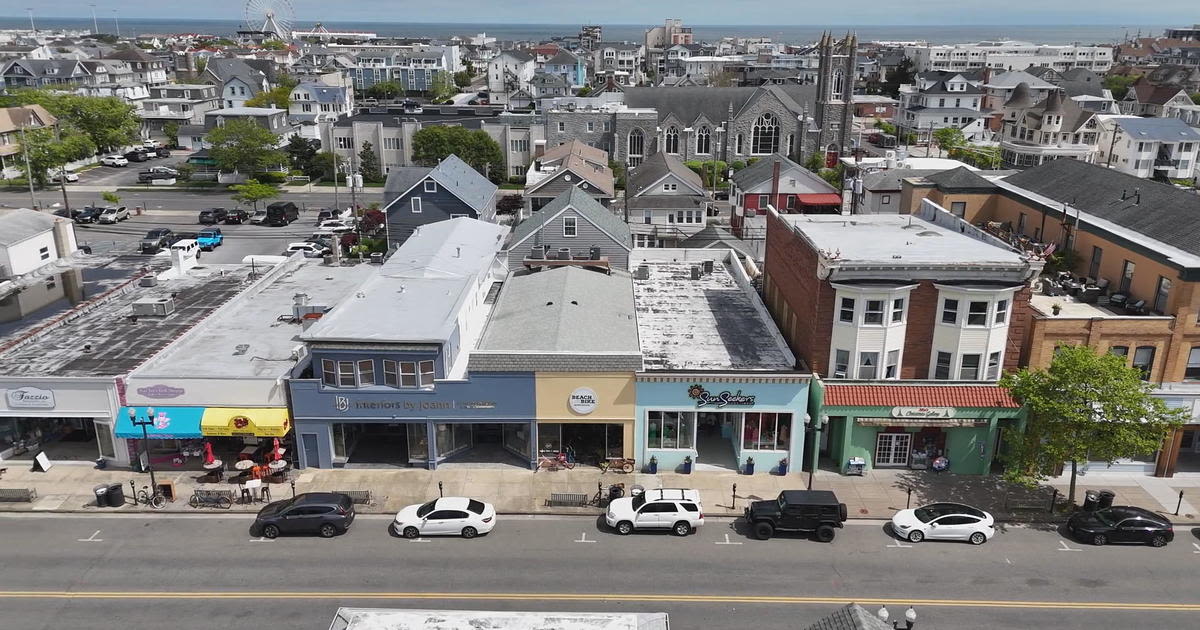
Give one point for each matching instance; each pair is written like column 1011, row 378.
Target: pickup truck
column 151, row 175
column 210, row 239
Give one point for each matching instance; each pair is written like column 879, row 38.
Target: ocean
column 1062, row 34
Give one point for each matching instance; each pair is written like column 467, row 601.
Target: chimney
column 696, row 272
column 774, row 187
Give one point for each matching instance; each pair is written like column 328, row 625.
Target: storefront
column 177, row 435
column 964, row 424
column 587, row 414
column 488, row 418
column 69, row 419
column 721, row 423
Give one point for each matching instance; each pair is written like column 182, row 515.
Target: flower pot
column 652, row 468
column 687, row 466
column 749, row 469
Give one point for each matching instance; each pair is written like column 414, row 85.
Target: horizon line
column 494, row 23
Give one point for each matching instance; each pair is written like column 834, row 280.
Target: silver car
column 113, row 215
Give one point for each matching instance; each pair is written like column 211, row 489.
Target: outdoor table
column 215, row 465
column 244, row 464
column 247, row 452
column 277, row 465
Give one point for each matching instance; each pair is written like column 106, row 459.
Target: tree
column 253, row 192
column 171, row 131
column 108, row 121
column 432, row 144
column 301, row 152
column 1085, row 406
column 442, row 87
column 244, row 146
column 462, row 79
column 326, row 164
column 49, row 151
column 384, row 90
column 1119, row 84
column 584, row 91
column 371, row 221
column 722, row 79
column 1196, row 98
column 368, row 164
column 201, row 64
column 901, row 75
column 509, row 204
column 815, row 162
column 949, row 138
column 278, row 97
column 110, row 197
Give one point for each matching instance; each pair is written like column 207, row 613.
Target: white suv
column 676, row 509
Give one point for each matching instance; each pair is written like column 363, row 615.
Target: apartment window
column 1192, row 373
column 647, row 216
column 1001, row 311
column 416, row 205
column 977, row 314
column 345, row 374
column 1126, row 277
column 993, row 366
column 607, row 126
column 426, row 373
column 670, row 187
column 591, row 127
column 366, row 372
column 764, row 201
column 1143, row 360
column 791, row 202
column 873, row 313
column 391, row 373
column 1161, row 294
column 1094, row 267
column 408, row 374
column 941, row 369
column 868, row 365
column 570, row 229
column 329, row 372
column 1119, row 351
column 959, row 208
column 345, row 142
column 949, row 311
column 430, row 186
column 969, row 371
column 841, row 363
column 846, row 313
column 885, row 200
column 890, row 370
column 898, row 310
column 44, row 253
column 562, row 127
column 519, row 146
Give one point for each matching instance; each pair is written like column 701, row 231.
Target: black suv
column 810, row 511
column 324, row 513
column 237, row 215
column 213, row 216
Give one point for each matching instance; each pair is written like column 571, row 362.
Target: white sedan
column 66, row 176
column 310, row 250
column 454, row 516
column 944, row 521
column 335, row 226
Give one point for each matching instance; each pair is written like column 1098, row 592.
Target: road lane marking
column 599, row 597
column 262, row 539
column 583, row 538
column 1197, row 546
column 896, row 544
column 1066, row 547
column 727, row 541
column 91, row 538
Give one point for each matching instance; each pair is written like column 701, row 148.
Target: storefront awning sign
column 919, row 422
column 247, row 422
column 923, row 412
column 583, row 400
column 168, row 423
column 704, row 398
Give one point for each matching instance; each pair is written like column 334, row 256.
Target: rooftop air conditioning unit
column 695, row 272
column 537, row 252
column 564, row 253
column 594, row 252
column 642, row 272
column 148, row 281
column 154, row 307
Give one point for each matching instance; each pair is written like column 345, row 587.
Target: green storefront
column 910, row 426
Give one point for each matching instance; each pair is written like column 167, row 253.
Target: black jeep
column 816, row 512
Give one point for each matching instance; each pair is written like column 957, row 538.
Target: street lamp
column 143, row 423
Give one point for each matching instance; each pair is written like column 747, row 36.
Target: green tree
column 442, row 87
column 432, row 144
column 815, row 162
column 171, row 131
column 253, row 192
column 301, row 152
column 244, row 146
column 325, row 163
column 273, row 44
column 1084, row 407
column 108, row 121
column 462, row 80
column 368, row 164
column 1119, row 84
column 110, row 197
column 384, row 90
column 584, row 91
column 901, row 75
column 835, row 176
column 949, row 138
column 1196, row 98
column 49, row 151
column 278, row 97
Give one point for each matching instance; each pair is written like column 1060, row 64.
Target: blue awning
column 169, row 423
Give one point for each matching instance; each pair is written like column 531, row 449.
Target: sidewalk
column 878, row 494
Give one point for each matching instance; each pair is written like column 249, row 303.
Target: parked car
column 236, row 216
column 157, row 239
column 816, row 512
column 331, row 214
column 163, row 169
column 67, row 176
column 113, row 214
column 150, row 176
column 114, row 160
column 211, row 216
column 281, row 213
column 454, row 516
column 136, row 156
column 310, row 249
column 324, row 513
column 337, row 227
column 1121, row 524
column 944, row 521
column 676, row 509
column 163, row 152
column 210, row 239
column 150, row 144
column 88, row 215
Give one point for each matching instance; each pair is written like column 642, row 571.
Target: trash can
column 1106, row 499
column 116, row 495
column 1091, row 499
column 101, row 496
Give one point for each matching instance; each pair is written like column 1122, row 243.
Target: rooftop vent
column 642, row 272
column 240, row 349
column 696, row 272
column 928, row 233
column 154, row 307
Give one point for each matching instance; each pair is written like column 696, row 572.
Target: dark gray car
column 324, row 513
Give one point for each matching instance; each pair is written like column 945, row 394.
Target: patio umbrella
column 208, row 454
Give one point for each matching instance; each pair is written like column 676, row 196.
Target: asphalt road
column 175, row 200
column 202, row 572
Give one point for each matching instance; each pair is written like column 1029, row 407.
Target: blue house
column 385, row 381
column 572, row 68
column 419, row 195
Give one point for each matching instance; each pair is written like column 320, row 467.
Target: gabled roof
column 227, row 68
column 595, row 174
column 658, row 166
column 322, row 93
column 713, row 237
column 400, row 180
column 1157, row 129
column 519, row 55
column 960, row 179
column 455, row 175
column 1074, row 117
column 575, row 147
column 1012, row 79
column 1150, row 94
column 562, row 58
column 31, row 116
column 762, row 171
column 19, row 224
column 546, row 79
column 690, row 103
column 49, row 67
column 586, row 207
column 132, row 54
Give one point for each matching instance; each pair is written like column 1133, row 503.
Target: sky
column 756, row 12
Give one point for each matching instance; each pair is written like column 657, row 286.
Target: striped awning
column 919, row 422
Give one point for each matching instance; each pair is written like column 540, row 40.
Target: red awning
column 821, row 199
column 919, row 396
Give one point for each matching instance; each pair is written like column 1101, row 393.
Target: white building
column 508, row 73
column 1148, row 147
column 1008, row 55
column 943, row 99
column 312, row 104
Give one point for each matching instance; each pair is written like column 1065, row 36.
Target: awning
column 247, row 422
column 821, row 199
column 920, row 422
column 169, row 423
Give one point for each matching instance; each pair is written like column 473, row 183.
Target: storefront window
column 516, row 438
column 671, row 429
column 105, row 440
column 614, row 435
column 766, row 431
column 550, row 438
column 418, row 442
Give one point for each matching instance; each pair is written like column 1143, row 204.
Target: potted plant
column 1056, row 308
column 653, row 467
column 687, row 465
column 749, row 465
column 783, row 466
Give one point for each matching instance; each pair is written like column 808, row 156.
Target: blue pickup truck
column 210, row 239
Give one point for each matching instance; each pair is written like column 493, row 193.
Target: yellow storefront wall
column 615, row 401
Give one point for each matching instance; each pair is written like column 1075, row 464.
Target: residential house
column 881, row 190
column 667, row 202
column 13, row 122
column 275, row 120
column 544, row 85
column 998, row 88
column 940, row 100
column 875, row 106
column 569, row 165
column 1157, row 148
column 1036, row 131
column 31, row 244
column 415, row 196
column 573, row 229
column 1147, row 99
column 19, row 73
column 147, row 68
column 179, row 103
column 313, row 104
column 775, row 181
column 238, row 80
column 570, row 67
column 509, row 73
column 621, row 60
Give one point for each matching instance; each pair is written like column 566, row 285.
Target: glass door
column 891, row 449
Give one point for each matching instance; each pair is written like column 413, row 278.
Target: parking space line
column 583, row 538
column 727, row 541
column 896, row 544
column 262, row 539
column 91, row 538
column 1066, row 547
column 1197, row 546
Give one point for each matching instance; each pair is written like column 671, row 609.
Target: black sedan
column 1121, row 524
column 324, row 513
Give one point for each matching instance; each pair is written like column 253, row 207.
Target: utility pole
column 28, row 168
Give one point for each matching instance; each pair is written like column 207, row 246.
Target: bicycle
column 210, row 498
column 554, row 463
column 143, row 497
column 623, row 464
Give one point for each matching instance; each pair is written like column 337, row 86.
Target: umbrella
column 208, row 454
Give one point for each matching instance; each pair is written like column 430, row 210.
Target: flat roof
column 253, row 335
column 716, row 322
column 895, row 240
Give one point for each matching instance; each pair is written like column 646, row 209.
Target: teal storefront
column 721, row 422
column 910, row 426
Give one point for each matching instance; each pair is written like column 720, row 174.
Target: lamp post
column 143, row 423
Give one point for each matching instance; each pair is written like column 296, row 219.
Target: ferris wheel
column 270, row 16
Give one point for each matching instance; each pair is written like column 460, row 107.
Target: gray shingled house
column 572, row 227
column 420, row 195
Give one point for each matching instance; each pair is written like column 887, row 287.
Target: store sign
column 583, row 400
column 160, row 392
column 343, row 403
column 923, row 412
column 704, row 398
column 30, row 398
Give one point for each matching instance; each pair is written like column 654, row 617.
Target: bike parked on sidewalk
column 211, row 498
column 157, row 500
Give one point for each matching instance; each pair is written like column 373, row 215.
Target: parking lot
column 116, row 176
